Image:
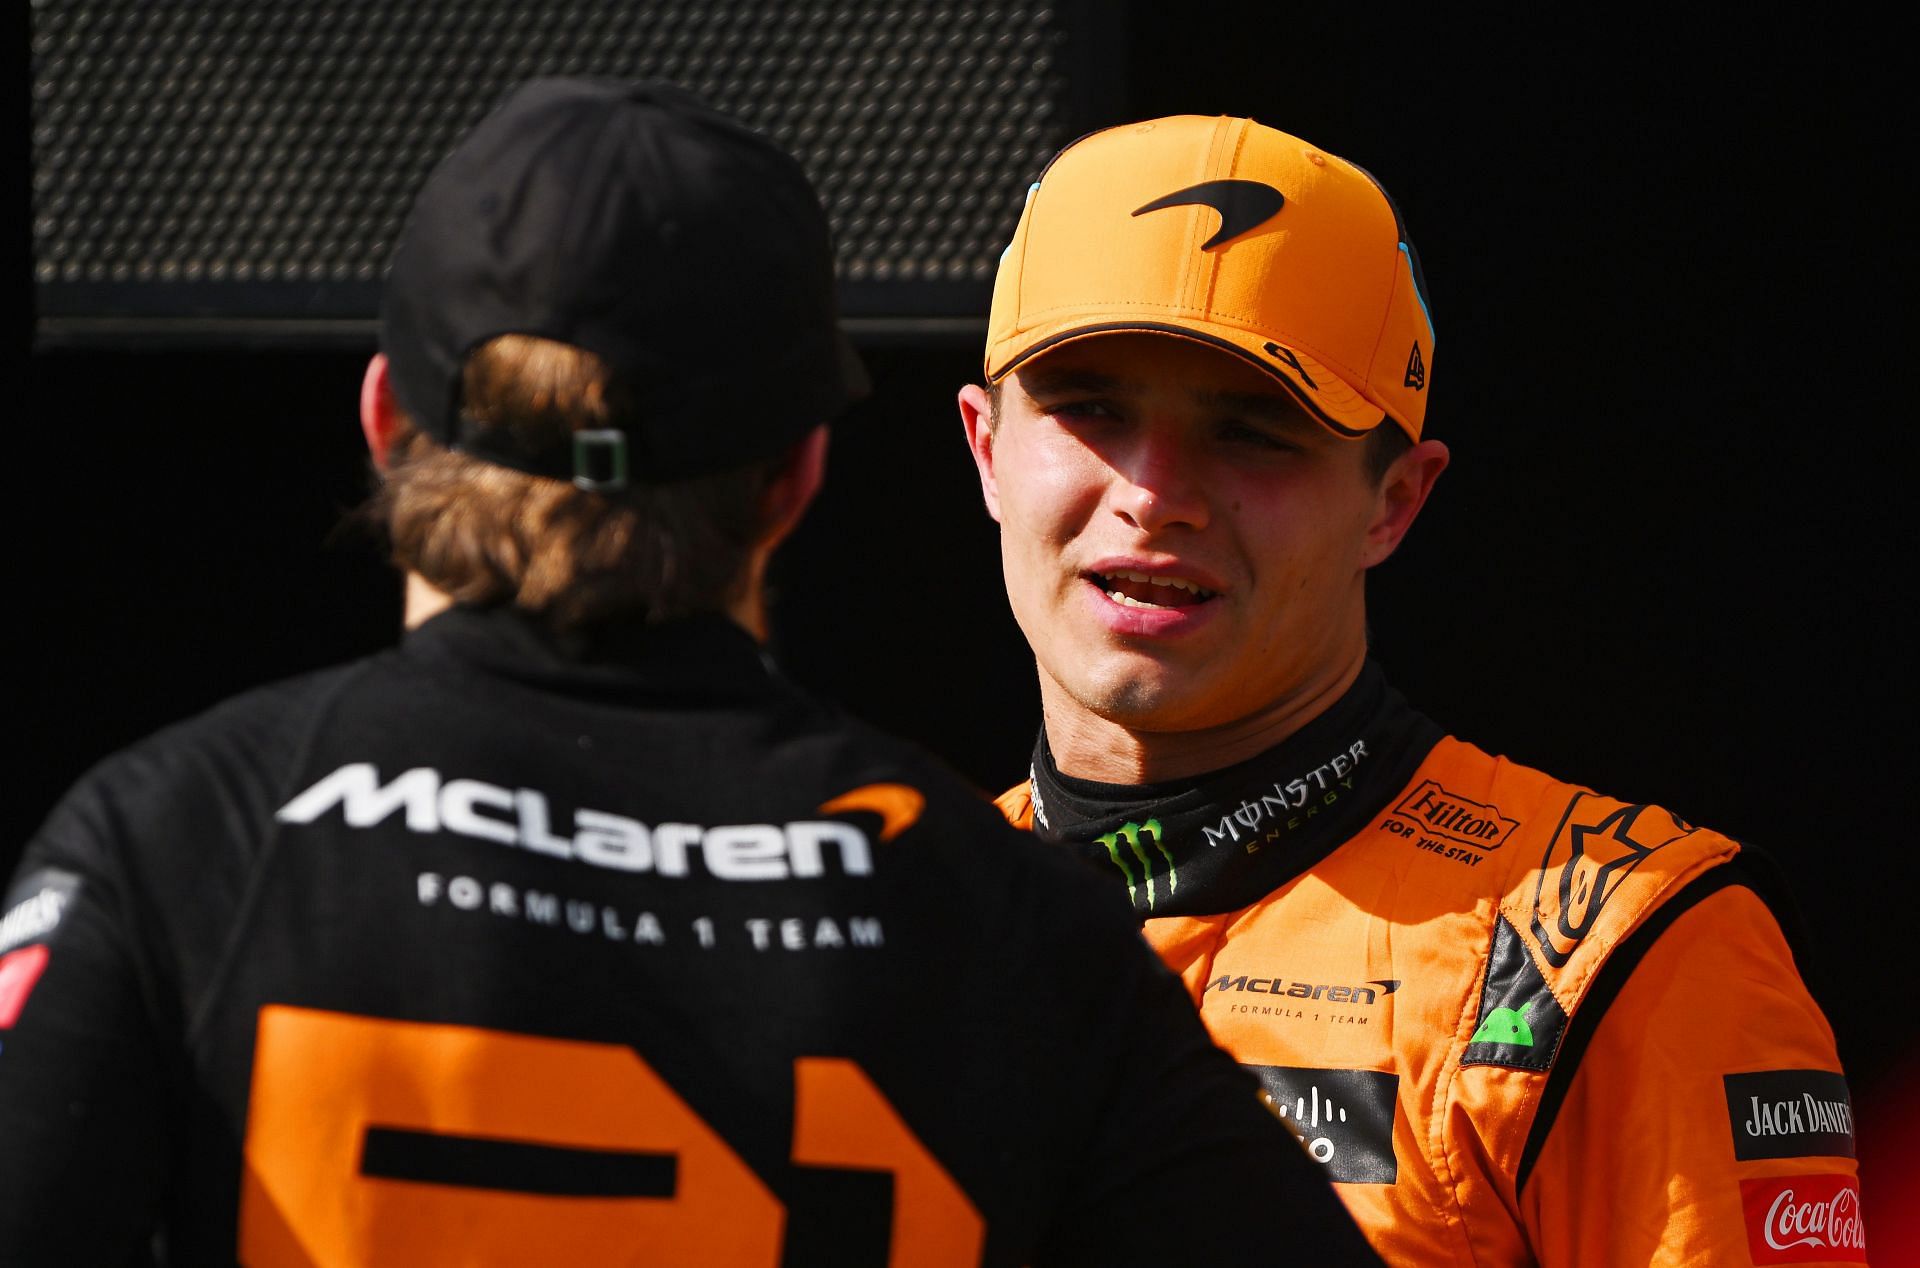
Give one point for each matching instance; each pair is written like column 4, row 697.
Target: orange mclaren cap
column 1230, row 233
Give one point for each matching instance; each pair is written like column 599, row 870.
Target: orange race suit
column 1520, row 1022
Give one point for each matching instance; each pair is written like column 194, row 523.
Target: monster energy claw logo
column 1131, row 832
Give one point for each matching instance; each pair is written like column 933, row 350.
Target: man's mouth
column 1144, row 590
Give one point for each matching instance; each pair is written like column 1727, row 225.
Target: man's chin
column 1143, row 702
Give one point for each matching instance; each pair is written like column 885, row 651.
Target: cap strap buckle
column 600, row 460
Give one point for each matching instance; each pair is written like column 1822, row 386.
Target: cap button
column 1315, row 159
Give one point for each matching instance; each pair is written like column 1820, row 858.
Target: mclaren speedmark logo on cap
column 1243, row 206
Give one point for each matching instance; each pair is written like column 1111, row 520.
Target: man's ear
column 976, row 415
column 1403, row 491
column 379, row 414
column 794, row 486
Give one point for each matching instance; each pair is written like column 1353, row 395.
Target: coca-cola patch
column 1804, row 1220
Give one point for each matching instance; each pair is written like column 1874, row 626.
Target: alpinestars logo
column 1131, row 833
column 1416, row 370
column 1594, row 850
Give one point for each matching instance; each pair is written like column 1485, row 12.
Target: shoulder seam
column 1606, row 985
column 200, row 1011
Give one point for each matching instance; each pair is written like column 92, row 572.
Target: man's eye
column 1254, row 437
column 1082, row 409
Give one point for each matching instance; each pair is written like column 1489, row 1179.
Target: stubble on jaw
column 1136, row 700
column 1124, row 701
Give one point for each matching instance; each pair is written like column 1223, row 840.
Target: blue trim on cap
column 1433, row 336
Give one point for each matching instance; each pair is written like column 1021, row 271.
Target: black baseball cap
column 636, row 222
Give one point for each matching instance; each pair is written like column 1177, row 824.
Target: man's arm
column 84, row 1101
column 1705, row 1119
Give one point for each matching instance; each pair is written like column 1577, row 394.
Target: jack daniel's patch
column 1790, row 1114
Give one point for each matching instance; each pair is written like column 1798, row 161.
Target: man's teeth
column 1128, row 601
column 1175, row 582
column 1140, row 578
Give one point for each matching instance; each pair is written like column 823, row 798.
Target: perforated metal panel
column 202, row 163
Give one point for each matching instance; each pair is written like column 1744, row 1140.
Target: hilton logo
column 1456, row 818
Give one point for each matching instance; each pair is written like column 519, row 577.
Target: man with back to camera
column 568, row 932
column 1519, row 1022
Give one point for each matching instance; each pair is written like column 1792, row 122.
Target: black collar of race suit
column 706, row 658
column 1225, row 840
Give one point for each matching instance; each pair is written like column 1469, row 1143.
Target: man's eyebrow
column 1272, row 407
column 1268, row 407
column 1054, row 382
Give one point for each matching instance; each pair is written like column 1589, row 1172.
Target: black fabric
column 618, row 842
column 1228, row 839
column 638, row 223
column 1520, row 1023
column 515, row 1166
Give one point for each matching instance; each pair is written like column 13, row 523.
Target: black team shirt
column 499, row 948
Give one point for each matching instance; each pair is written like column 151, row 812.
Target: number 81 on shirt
column 344, row 1108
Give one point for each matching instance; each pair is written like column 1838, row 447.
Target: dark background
column 1668, row 276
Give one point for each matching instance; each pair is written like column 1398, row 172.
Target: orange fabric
column 842, row 1120
column 1639, row 1165
column 1644, row 1132
column 321, row 1079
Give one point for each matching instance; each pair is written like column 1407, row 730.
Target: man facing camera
column 569, row 931
column 1518, row 1021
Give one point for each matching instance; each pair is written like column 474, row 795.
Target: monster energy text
column 1131, row 834
column 1321, row 785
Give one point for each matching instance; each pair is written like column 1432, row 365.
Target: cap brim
column 1326, row 397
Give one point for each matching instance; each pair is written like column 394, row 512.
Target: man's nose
column 1160, row 487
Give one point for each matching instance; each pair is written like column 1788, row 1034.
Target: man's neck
column 424, row 601
column 1088, row 746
